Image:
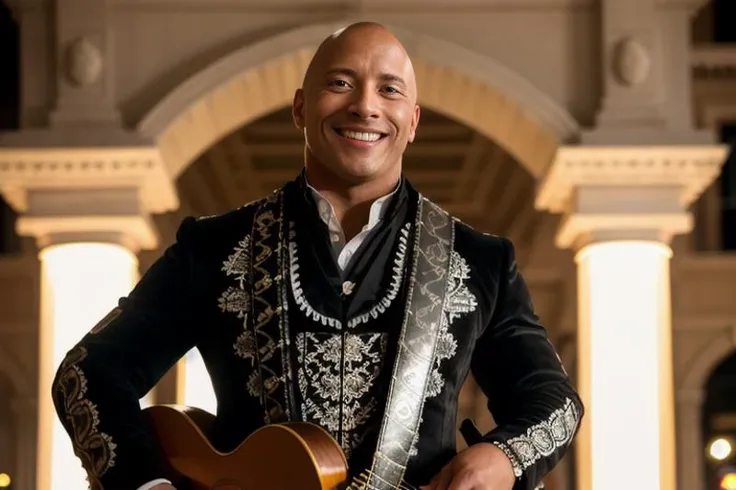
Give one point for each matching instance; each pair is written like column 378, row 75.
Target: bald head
column 357, row 107
column 358, row 39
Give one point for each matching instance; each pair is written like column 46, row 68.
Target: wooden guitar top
column 291, row 456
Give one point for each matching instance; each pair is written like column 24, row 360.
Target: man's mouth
column 369, row 137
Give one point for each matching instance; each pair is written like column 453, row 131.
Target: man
column 342, row 298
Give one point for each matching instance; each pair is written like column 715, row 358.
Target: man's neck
column 351, row 203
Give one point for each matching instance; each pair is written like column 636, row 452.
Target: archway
column 692, row 393
column 718, row 420
column 261, row 78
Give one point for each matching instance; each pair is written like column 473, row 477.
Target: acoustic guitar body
column 291, row 456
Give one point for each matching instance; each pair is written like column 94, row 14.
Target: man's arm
column 531, row 398
column 98, row 386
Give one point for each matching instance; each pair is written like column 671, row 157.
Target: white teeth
column 355, row 135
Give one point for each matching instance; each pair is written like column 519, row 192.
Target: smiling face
column 357, row 107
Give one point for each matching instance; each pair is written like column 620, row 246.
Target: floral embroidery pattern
column 542, row 439
column 95, row 449
column 459, row 301
column 236, row 299
column 336, row 375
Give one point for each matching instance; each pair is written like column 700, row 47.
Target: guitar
column 290, row 456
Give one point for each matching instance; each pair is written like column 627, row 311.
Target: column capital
column 66, row 191
column 626, row 192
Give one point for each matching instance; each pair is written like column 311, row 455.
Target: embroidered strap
column 268, row 320
column 434, row 236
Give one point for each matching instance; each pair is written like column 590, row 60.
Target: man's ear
column 414, row 124
column 297, row 109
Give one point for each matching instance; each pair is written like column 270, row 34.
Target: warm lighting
column 4, row 480
column 626, row 374
column 720, row 449
column 194, row 384
column 81, row 283
column 728, row 482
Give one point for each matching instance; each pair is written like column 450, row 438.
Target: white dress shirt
column 344, row 250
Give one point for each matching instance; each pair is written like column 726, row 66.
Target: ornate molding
column 688, row 168
column 43, row 168
column 631, row 62
column 626, row 193
column 83, row 62
column 135, row 232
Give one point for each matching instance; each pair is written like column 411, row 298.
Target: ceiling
column 456, row 167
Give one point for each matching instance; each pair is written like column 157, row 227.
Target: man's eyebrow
column 386, row 77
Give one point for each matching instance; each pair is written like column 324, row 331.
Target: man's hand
column 482, row 466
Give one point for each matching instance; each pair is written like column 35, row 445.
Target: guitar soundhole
column 228, row 485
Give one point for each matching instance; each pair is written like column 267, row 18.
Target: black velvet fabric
column 341, row 346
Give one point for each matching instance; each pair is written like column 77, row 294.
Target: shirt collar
column 327, row 212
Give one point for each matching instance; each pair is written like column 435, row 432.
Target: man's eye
column 338, row 83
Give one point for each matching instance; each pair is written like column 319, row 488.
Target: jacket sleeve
column 97, row 388
column 536, row 409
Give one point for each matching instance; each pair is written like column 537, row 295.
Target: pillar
column 24, row 420
column 620, row 208
column 89, row 210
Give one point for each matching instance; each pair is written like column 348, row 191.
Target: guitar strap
column 433, row 244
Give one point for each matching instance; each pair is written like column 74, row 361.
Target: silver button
column 347, row 288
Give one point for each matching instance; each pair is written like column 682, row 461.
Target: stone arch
column 700, row 369
column 261, row 77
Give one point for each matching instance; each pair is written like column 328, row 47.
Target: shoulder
column 197, row 231
column 474, row 245
column 484, row 252
column 489, row 243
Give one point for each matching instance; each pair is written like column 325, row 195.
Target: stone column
column 621, row 206
column 24, row 421
column 89, row 210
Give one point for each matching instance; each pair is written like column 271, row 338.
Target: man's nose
column 365, row 104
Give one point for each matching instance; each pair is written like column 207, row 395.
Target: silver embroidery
column 459, row 301
column 542, row 439
column 374, row 312
column 336, row 374
column 298, row 292
column 393, row 288
column 236, row 300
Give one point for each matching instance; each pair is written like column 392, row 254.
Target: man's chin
column 351, row 171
